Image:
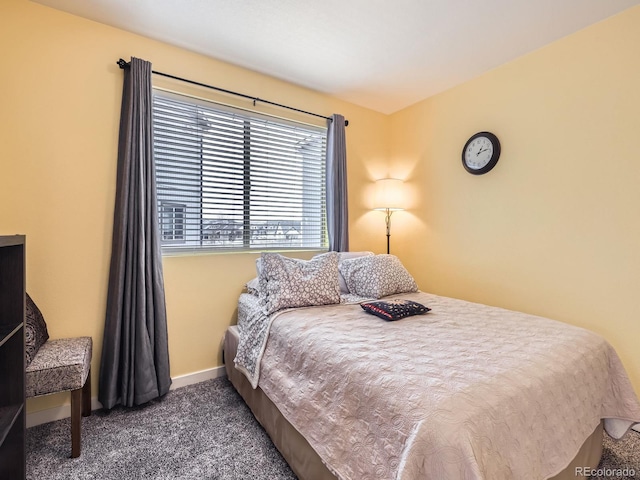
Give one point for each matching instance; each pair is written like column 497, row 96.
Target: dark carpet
column 202, row 431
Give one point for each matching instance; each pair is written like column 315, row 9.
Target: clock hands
column 480, row 151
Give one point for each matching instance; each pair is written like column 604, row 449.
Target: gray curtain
column 134, row 367
column 337, row 209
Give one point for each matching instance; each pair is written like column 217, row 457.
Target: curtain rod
column 124, row 64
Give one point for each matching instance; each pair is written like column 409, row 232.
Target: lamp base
column 387, row 221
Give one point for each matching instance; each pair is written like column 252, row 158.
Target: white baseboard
column 56, row 413
column 197, row 377
column 63, row 411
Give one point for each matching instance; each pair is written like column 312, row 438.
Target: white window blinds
column 237, row 180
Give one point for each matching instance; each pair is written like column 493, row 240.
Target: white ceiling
column 380, row 54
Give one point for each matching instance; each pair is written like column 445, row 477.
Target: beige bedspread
column 465, row 392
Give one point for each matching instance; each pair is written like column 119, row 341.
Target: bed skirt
column 306, row 463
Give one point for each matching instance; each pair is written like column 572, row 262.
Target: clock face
column 478, row 153
column 481, row 152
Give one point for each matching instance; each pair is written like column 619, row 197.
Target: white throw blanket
column 465, row 392
column 253, row 327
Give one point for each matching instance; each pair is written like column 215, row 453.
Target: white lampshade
column 389, row 194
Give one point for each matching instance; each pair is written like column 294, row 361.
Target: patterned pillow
column 377, row 276
column 345, row 256
column 35, row 330
column 288, row 282
column 394, row 309
column 253, row 287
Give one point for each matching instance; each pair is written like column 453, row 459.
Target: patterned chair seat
column 64, row 365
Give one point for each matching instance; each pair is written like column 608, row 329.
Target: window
column 172, row 222
column 237, row 180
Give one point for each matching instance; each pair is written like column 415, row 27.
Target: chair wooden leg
column 76, row 413
column 86, row 396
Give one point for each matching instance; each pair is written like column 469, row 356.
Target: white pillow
column 289, row 282
column 377, row 276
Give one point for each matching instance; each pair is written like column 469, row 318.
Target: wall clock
column 481, row 153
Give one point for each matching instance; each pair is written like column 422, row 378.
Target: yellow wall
column 554, row 229
column 61, row 94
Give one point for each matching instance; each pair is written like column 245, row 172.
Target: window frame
column 248, row 225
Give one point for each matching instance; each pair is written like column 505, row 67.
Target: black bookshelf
column 12, row 376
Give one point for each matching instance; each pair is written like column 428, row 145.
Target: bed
column 464, row 391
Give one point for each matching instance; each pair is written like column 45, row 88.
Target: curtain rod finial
column 122, row 64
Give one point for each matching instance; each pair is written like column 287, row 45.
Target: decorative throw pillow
column 345, row 256
column 35, row 330
column 394, row 309
column 289, row 282
column 377, row 276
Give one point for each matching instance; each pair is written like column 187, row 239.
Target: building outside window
column 172, row 222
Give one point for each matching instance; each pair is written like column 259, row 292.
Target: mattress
column 304, row 460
